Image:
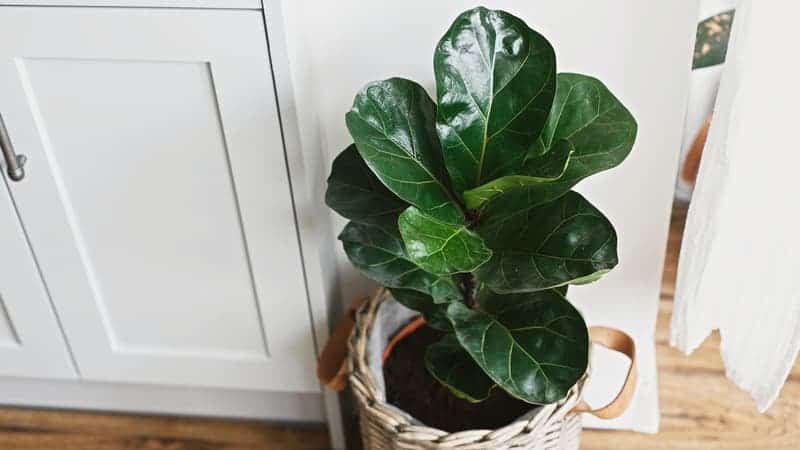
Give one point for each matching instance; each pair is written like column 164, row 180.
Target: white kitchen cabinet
column 156, row 198
column 31, row 344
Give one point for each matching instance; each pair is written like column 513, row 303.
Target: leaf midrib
column 414, row 159
column 488, row 109
column 514, row 343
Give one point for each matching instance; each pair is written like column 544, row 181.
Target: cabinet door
column 157, row 197
column 31, row 344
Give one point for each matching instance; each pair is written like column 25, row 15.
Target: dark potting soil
column 411, row 388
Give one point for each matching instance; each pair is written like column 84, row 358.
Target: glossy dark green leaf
column 544, row 168
column 435, row 314
column 564, row 241
column 452, row 366
column 549, row 166
column 535, row 350
column 393, row 125
column 536, row 149
column 493, row 303
column 356, row 193
column 594, row 121
column 495, row 81
column 597, row 125
column 440, row 247
column 379, row 253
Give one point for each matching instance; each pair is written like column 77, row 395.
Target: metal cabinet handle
column 15, row 164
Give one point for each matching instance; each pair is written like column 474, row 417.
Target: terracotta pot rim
column 401, row 334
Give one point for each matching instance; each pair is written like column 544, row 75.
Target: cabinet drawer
column 157, row 198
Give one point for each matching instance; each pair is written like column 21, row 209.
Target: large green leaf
column 493, row 303
column 379, row 253
column 452, row 366
column 597, row 125
column 356, row 193
column 549, row 166
column 495, row 81
column 594, row 121
column 435, row 314
column 440, row 247
column 544, row 168
column 393, row 125
column 564, row 241
column 535, row 349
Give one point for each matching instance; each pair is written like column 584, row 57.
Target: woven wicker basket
column 383, row 427
column 346, row 356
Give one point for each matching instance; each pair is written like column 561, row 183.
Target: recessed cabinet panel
column 157, row 197
column 164, row 223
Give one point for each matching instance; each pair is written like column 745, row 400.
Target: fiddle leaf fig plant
column 464, row 209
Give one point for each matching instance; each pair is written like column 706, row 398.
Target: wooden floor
column 700, row 409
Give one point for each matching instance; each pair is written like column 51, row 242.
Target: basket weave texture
column 384, row 427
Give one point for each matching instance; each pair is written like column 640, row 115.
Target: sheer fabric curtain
column 739, row 262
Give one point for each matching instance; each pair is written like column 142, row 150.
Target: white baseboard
column 271, row 406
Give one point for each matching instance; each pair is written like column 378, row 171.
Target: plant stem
column 468, row 279
column 472, row 217
column 468, row 285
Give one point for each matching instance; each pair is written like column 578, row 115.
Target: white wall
column 640, row 49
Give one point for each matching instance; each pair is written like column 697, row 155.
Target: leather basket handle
column 620, row 341
column 332, row 366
